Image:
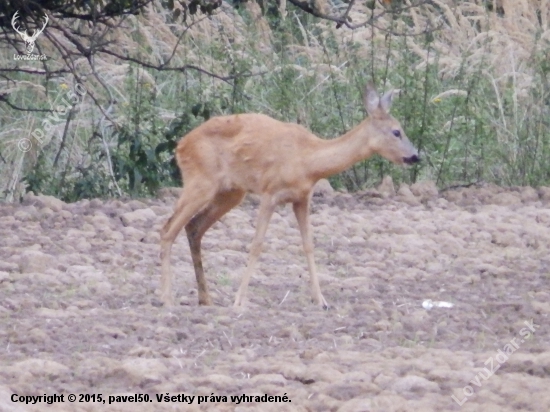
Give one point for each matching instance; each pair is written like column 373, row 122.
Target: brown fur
column 229, row 156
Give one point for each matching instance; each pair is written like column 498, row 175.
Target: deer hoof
column 205, row 301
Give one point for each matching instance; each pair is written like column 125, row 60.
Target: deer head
column 29, row 40
column 390, row 141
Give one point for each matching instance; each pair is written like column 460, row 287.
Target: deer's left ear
column 371, row 98
column 386, row 101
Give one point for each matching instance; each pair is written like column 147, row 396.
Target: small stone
column 142, row 371
column 35, row 261
column 405, row 195
column 323, row 188
column 425, row 190
column 414, row 383
column 137, row 216
column 544, row 193
column 386, row 187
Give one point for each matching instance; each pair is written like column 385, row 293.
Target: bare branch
column 345, row 16
column 4, row 99
column 344, row 20
column 162, row 67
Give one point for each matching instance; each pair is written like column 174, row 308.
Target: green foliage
column 85, row 181
column 144, row 158
column 191, row 7
column 467, row 128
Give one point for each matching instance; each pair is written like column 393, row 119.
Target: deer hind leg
column 191, row 202
column 264, row 216
column 301, row 211
column 197, row 227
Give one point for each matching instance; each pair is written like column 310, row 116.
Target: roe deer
column 228, row 156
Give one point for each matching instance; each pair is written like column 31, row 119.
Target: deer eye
column 397, row 133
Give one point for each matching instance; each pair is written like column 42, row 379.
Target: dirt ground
column 79, row 313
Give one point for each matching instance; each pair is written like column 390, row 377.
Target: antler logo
column 29, row 40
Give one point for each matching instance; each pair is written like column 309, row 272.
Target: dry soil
column 79, row 313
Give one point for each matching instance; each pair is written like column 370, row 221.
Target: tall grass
column 475, row 95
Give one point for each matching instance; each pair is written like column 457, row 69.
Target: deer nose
column 411, row 160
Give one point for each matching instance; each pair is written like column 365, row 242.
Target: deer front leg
column 197, row 227
column 301, row 210
column 264, row 216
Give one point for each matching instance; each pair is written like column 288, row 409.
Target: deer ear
column 386, row 100
column 372, row 99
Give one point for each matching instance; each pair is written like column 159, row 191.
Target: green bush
column 472, row 119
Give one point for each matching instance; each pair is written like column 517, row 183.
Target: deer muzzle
column 411, row 160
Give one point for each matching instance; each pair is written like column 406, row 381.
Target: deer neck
column 336, row 155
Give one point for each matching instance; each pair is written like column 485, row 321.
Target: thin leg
column 264, row 216
column 191, row 202
column 301, row 210
column 197, row 227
